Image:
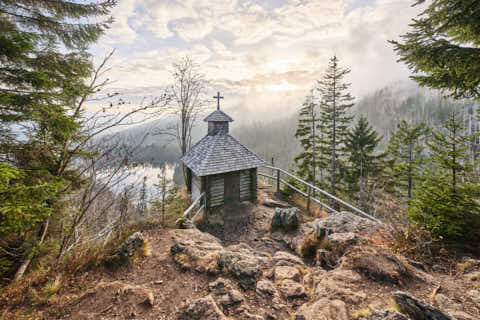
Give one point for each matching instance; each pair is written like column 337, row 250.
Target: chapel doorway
column 232, row 188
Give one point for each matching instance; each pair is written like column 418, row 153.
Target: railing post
column 308, row 198
column 278, row 181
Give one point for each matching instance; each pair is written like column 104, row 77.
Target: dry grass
column 361, row 313
column 146, row 248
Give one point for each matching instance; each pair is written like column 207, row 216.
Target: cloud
column 268, row 51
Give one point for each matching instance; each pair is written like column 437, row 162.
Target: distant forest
column 384, row 109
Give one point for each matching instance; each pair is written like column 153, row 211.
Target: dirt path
column 156, row 273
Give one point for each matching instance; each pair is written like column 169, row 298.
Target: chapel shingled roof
column 218, row 116
column 219, row 154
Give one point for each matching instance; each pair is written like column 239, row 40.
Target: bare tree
column 189, row 101
column 96, row 159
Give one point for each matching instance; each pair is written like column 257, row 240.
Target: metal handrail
column 186, row 214
column 312, row 187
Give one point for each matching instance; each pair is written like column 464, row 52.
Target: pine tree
column 364, row 160
column 406, row 147
column 335, row 104
column 308, row 161
column 165, row 188
column 142, row 203
column 445, row 202
column 444, row 47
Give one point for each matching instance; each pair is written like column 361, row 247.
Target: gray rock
column 292, row 289
column 220, row 286
column 242, row 263
column 232, row 297
column 475, row 296
column 266, row 289
column 201, row 309
column 128, row 247
column 344, row 222
column 324, row 309
column 286, row 272
column 417, row 309
column 270, row 203
column 341, row 241
column 193, row 249
column 285, row 258
column 326, row 259
column 286, row 219
column 384, row 315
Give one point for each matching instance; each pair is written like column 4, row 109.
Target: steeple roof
column 218, row 116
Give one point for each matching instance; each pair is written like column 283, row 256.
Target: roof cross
column 218, row 97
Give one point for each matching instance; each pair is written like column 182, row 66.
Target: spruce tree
column 444, row 47
column 335, row 104
column 43, row 73
column 445, row 203
column 364, row 160
column 406, row 147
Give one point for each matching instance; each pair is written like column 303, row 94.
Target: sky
column 263, row 56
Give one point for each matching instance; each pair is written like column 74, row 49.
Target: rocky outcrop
column 286, row 219
column 266, row 289
column 291, row 289
column 344, row 222
column 123, row 254
column 340, row 242
column 201, row 309
column 282, row 258
column 286, row 272
column 243, row 263
column 377, row 265
column 344, row 285
column 225, row 293
column 193, row 249
column 417, row 309
column 130, row 245
column 323, row 309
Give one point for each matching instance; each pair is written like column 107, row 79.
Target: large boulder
column 225, row 293
column 201, row 309
column 344, row 222
column 286, row 272
column 417, row 309
column 131, row 245
column 282, row 258
column 123, row 254
column 286, row 219
column 340, row 284
column 266, row 289
column 324, row 309
column 340, row 242
column 378, row 265
column 243, row 263
column 193, row 249
column 292, row 290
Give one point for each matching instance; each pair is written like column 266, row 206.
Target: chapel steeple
column 218, row 120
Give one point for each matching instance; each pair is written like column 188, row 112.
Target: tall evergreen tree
column 446, row 202
column 335, row 104
column 43, row 73
column 406, row 147
column 364, row 160
column 444, row 47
